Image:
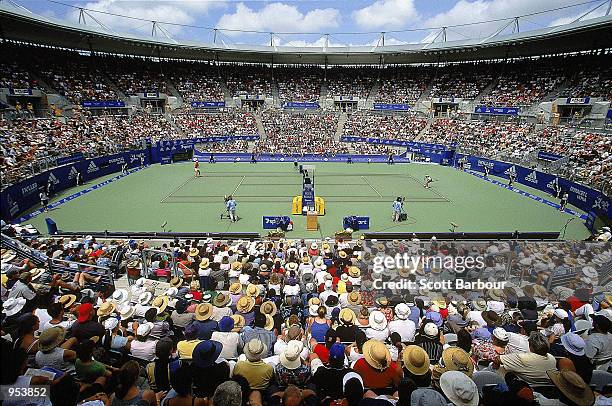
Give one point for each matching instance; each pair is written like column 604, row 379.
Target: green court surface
column 142, row 201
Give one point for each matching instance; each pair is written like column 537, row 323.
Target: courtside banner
column 578, row 100
column 70, row 159
column 509, row 111
column 207, row 104
column 21, row 92
column 301, row 105
column 487, row 273
column 103, row 103
column 412, row 145
column 391, row 107
column 24, row 195
column 203, row 155
column 584, row 198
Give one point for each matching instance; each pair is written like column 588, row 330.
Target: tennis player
column 196, row 168
column 428, row 180
column 564, row 200
column 231, row 208
column 397, row 209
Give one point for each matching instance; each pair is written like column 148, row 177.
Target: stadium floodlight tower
column 308, row 201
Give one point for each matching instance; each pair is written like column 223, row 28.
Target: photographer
column 230, row 204
column 398, row 207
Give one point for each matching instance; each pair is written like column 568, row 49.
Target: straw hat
column 236, row 265
column 269, row 323
column 459, row 389
column 314, row 301
column 176, row 282
column 221, row 300
column 456, row 359
column 255, row 350
column 13, row 306
column 378, row 321
column 252, row 290
column 291, row 266
column 51, row 338
column 290, row 358
column 354, row 298
column 245, row 304
column 126, row 311
column 416, row 359
column 194, row 252
column 239, row 322
column 235, row 288
column 67, row 300
column 204, row 264
column 376, row 354
column 203, row 311
column 342, row 254
column 268, row 307
column 572, row 386
column 347, row 316
column 106, row 309
column 160, row 302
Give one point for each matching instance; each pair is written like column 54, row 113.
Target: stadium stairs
column 484, row 92
column 323, row 95
column 53, row 96
column 227, row 96
column 422, row 133
column 276, row 101
column 418, row 105
column 340, row 127
column 260, row 127
column 369, row 104
column 170, row 118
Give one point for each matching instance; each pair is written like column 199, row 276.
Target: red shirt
column 323, row 352
column 375, row 379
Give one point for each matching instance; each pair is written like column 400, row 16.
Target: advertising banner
column 578, row 100
column 207, row 104
column 21, row 92
column 103, row 103
column 549, row 156
column 391, row 107
column 301, row 105
column 510, row 111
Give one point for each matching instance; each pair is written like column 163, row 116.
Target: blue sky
column 315, row 17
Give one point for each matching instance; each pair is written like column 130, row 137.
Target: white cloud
column 177, row 12
column 465, row 11
column 279, row 17
column 386, row 14
column 601, row 11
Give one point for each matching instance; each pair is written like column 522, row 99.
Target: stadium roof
column 21, row 25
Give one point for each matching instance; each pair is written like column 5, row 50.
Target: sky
column 348, row 22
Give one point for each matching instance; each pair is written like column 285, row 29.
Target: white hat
column 120, row 296
column 431, row 330
column 13, row 306
column 402, row 311
column 459, row 388
column 349, row 376
column 313, row 309
column 172, row 292
column 378, row 320
column 145, row 298
column 560, row 313
column 589, row 272
column 144, row 329
column 582, row 326
column 497, row 307
column 290, row 358
column 501, row 334
column 111, row 323
column 585, row 310
column 126, row 311
column 140, row 282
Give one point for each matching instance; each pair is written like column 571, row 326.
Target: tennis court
column 170, row 194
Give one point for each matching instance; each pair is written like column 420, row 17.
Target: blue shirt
column 205, row 328
column 231, row 204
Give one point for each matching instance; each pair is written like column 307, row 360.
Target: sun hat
column 501, row 334
column 245, row 304
column 342, row 254
column 194, row 252
column 573, row 343
column 171, row 292
column 106, row 309
column 572, row 386
column 491, row 318
column 194, row 285
column 314, row 301
column 313, row 310
column 226, row 324
column 459, row 388
column 255, row 350
column 561, row 313
column 144, row 298
column 582, row 326
column 144, row 329
column 206, row 353
column 111, row 323
column 126, row 311
column 291, row 266
column 347, row 316
column 235, row 288
column 378, row 320
column 84, row 312
column 456, row 359
column 402, row 311
column 203, row 311
column 376, row 354
column 239, row 322
column 269, row 323
column 120, row 296
column 331, row 301
column 431, row 330
column 13, row 306
column 160, row 302
column 290, row 357
column 252, row 290
column 176, row 282
column 354, row 298
column 268, row 307
column 51, row 338
column 427, row 397
column 415, row 359
column 479, row 304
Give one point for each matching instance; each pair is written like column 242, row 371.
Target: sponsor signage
column 392, row 107
column 508, row 111
column 102, row 104
column 444, row 100
column 578, row 100
column 69, row 159
column 21, row 92
column 548, row 156
column 151, row 95
column 207, row 104
column 301, row 105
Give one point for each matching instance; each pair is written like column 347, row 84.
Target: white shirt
column 517, row 343
column 380, row 335
column 143, row 349
column 229, row 341
column 405, row 328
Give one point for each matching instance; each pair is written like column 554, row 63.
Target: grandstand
column 202, row 222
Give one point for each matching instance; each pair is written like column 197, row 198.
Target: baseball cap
column 84, row 311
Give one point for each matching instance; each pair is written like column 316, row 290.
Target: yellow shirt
column 258, row 373
column 185, row 348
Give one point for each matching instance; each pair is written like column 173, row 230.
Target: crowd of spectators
column 298, row 85
column 197, row 82
column 290, row 133
column 398, row 85
column 210, row 124
column 591, row 80
column 13, row 76
column 356, row 82
column 465, row 81
column 299, row 322
column 135, row 75
column 396, row 126
column 248, row 80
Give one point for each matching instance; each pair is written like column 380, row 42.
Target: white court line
column 241, row 180
column 373, row 188
column 177, row 189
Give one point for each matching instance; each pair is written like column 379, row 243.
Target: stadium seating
column 209, row 124
column 301, row 85
column 398, row 127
